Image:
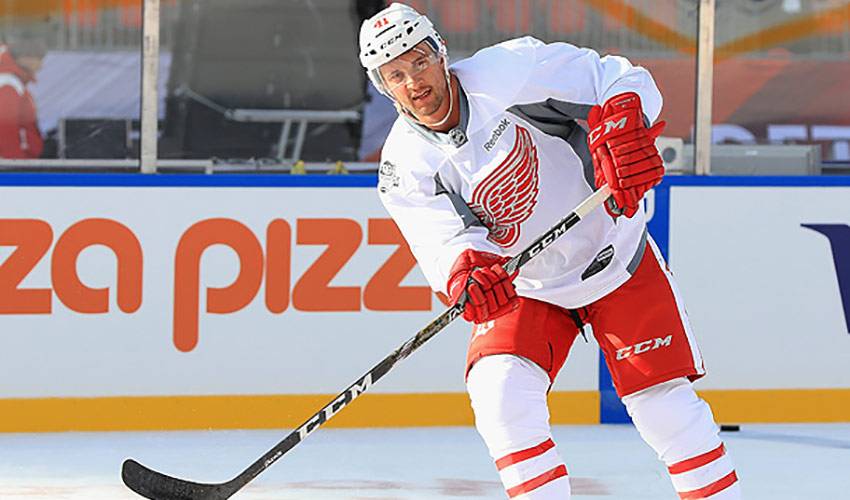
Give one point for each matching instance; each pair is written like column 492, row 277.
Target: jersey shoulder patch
column 405, row 161
column 388, row 177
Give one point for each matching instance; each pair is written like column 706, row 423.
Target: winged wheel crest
column 506, row 198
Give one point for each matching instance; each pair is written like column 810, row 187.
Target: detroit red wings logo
column 506, row 198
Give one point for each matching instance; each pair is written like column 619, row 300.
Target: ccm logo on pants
column 642, row 347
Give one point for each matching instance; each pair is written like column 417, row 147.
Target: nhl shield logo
column 458, row 137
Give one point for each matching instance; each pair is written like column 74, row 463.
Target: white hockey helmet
column 392, row 32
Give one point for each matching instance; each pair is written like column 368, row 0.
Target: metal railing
column 207, row 166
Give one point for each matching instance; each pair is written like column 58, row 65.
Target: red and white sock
column 526, row 473
column 680, row 427
column 707, row 475
column 508, row 395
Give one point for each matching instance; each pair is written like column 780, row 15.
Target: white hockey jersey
column 515, row 165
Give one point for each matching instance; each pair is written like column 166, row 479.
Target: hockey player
column 485, row 156
column 20, row 61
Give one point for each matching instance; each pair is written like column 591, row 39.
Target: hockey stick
column 158, row 486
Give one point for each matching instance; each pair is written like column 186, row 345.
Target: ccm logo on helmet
column 609, row 126
column 642, row 347
column 392, row 40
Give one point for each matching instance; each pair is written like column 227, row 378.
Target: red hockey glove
column 490, row 288
column 624, row 152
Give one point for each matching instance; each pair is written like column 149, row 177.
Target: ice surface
column 777, row 462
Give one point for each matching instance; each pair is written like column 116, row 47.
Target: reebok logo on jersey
column 609, row 126
column 494, row 136
column 507, row 196
column 642, row 347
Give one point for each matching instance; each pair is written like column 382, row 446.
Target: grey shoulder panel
column 558, row 119
column 571, row 109
column 461, row 208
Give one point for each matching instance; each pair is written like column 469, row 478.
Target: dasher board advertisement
column 279, row 289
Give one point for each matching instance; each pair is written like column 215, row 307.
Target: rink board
column 211, row 307
column 764, row 266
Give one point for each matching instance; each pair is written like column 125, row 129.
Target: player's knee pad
column 508, row 395
column 672, row 419
column 680, row 427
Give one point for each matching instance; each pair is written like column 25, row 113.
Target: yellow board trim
column 261, row 412
column 579, row 407
column 376, row 410
column 779, row 405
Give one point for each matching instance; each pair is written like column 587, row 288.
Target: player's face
column 416, row 80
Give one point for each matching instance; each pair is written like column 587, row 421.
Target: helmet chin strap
column 451, row 103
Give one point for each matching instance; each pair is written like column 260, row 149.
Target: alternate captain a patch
column 506, row 198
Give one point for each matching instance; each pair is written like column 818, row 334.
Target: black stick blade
column 157, row 486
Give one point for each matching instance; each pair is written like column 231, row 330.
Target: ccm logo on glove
column 623, row 151
column 490, row 288
column 610, row 126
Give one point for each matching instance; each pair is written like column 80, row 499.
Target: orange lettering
column 232, row 298
column 312, row 292
column 66, row 282
column 444, row 299
column 383, row 292
column 278, row 265
column 33, row 238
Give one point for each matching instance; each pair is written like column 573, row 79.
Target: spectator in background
column 20, row 61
